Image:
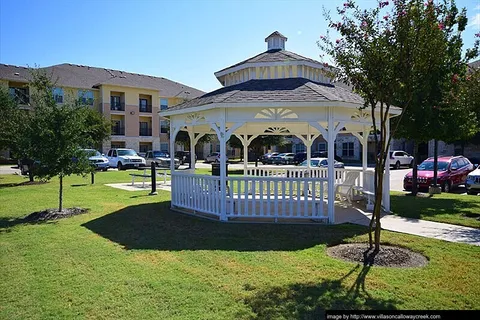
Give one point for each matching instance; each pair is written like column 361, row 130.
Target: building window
column 85, row 97
column 217, row 148
column 347, row 149
column 322, row 146
column 164, row 147
column 143, row 103
column 163, row 104
column 20, row 95
column 144, row 129
column 58, row 95
column 164, row 126
column 117, row 144
column 144, row 148
column 116, row 103
column 300, row 147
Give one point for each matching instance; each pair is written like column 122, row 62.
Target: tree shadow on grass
column 7, row 223
column 154, row 226
column 310, row 300
column 20, row 184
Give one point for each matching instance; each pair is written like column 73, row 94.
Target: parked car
column 184, row 156
column 321, row 162
column 267, row 156
column 400, row 158
column 324, row 154
column 124, row 158
column 97, row 159
column 302, row 156
column 213, row 157
column 282, row 158
column 161, row 159
column 473, row 181
column 452, row 171
column 299, row 157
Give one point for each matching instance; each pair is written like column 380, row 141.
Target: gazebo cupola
column 276, row 41
column 275, row 63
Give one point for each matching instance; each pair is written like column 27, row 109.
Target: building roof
column 14, row 73
column 274, row 90
column 474, row 64
column 275, row 55
column 86, row 77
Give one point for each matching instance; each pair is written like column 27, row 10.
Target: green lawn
column 132, row 258
column 446, row 207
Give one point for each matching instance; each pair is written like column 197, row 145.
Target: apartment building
column 131, row 101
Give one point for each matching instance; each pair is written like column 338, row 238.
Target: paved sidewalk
column 423, row 228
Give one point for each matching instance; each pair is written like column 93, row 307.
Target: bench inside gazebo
column 274, row 93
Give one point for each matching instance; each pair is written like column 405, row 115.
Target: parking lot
column 396, row 176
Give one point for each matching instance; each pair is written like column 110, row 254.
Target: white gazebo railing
column 265, row 192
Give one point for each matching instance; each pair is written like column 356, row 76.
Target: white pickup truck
column 124, row 159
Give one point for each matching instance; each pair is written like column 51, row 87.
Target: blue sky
column 182, row 40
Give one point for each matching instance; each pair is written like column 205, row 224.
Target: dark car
column 452, row 171
column 266, row 158
column 184, row 156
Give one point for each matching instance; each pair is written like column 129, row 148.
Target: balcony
column 145, row 132
column 118, row 131
column 145, row 108
column 118, row 106
column 20, row 95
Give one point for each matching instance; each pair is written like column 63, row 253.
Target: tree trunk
column 415, row 169
column 30, row 174
column 60, row 195
column 377, row 208
column 435, row 162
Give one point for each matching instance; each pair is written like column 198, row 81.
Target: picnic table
column 161, row 172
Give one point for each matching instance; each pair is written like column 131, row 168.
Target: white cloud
column 475, row 21
column 477, row 7
column 299, row 32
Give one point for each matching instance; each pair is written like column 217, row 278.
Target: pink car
column 452, row 172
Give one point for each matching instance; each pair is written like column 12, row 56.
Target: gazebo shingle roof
column 275, row 55
column 274, row 90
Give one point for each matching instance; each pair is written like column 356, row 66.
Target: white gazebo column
column 191, row 134
column 173, row 135
column 386, row 177
column 365, row 151
column 331, row 168
column 245, row 154
column 363, row 138
column 193, row 142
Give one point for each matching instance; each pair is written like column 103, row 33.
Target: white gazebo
column 276, row 92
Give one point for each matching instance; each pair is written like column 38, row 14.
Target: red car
column 452, row 171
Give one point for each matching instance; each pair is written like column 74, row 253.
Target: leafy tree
column 14, row 125
column 183, row 139
column 390, row 56
column 9, row 119
column 434, row 112
column 58, row 133
column 469, row 99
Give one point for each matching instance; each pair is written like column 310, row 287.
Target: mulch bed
column 54, row 214
column 388, row 256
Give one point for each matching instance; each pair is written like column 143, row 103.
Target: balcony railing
column 118, row 131
column 119, row 106
column 145, row 108
column 145, row 131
